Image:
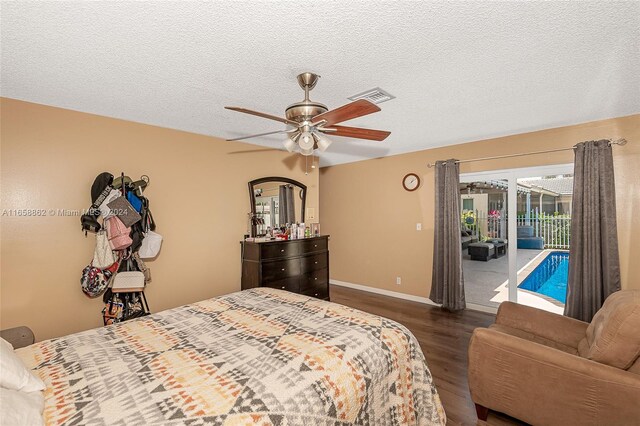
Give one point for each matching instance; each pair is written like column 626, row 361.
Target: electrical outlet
column 398, row 280
column 418, row 227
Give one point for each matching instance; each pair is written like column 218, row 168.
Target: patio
column 486, row 282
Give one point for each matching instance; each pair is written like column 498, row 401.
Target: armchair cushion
column 564, row 331
column 534, row 338
column 613, row 338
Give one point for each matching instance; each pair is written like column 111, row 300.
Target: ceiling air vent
column 376, row 96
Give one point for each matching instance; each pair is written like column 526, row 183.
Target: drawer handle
column 283, row 269
column 281, row 250
column 316, row 278
column 316, row 295
column 315, row 246
column 316, row 262
column 283, row 287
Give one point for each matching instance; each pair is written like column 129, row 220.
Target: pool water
column 550, row 276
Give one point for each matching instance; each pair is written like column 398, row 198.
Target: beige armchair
column 547, row 369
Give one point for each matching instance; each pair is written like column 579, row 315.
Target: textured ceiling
column 460, row 71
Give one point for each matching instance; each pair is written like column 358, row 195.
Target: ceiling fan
column 310, row 121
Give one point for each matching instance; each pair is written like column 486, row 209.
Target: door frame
column 512, row 176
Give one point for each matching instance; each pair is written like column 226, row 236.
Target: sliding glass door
column 515, row 236
column 544, row 238
column 484, row 229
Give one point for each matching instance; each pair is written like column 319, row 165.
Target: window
column 467, row 204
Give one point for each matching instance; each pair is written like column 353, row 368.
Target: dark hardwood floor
column 444, row 339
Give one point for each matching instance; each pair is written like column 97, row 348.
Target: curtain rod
column 611, row 142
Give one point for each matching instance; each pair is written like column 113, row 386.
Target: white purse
column 150, row 246
column 103, row 255
column 128, row 281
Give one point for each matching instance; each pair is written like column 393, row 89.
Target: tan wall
column 198, row 195
column 372, row 219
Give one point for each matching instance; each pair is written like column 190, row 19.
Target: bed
column 260, row 356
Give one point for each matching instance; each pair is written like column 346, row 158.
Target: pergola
column 498, row 186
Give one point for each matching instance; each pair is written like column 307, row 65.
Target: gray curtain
column 447, row 281
column 291, row 204
column 282, row 203
column 594, row 268
column 286, row 212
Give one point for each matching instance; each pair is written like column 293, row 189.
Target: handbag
column 120, row 180
column 128, row 280
column 89, row 223
column 103, row 255
column 100, row 187
column 112, row 312
column 147, row 218
column 135, row 202
column 118, row 233
column 94, row 281
column 142, row 267
column 121, row 208
column 150, row 245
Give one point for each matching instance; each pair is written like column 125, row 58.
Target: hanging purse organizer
column 125, row 299
column 121, row 200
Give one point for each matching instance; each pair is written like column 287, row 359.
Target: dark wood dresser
column 300, row 266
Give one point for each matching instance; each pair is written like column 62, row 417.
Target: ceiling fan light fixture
column 322, row 141
column 306, row 142
column 306, row 152
column 289, row 144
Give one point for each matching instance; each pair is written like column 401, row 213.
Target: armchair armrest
column 19, row 337
column 543, row 385
column 558, row 328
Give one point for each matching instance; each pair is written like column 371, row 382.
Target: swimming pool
column 550, row 276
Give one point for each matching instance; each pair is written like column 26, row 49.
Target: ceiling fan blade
column 263, row 115
column 259, row 134
column 357, row 132
column 346, row 112
column 251, row 151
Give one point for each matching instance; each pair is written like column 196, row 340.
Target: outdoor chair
column 526, row 240
column 467, row 237
column 481, row 251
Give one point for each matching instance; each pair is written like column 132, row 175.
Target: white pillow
column 14, row 374
column 21, row 408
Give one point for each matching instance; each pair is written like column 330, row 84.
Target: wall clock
column 411, row 182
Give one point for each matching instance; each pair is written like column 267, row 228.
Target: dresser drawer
column 321, row 291
column 289, row 284
column 315, row 244
column 283, row 249
column 314, row 279
column 300, row 266
column 314, row 263
column 280, row 269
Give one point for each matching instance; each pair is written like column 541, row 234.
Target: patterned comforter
column 256, row 357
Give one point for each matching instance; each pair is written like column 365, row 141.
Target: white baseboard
column 482, row 308
column 405, row 296
column 383, row 292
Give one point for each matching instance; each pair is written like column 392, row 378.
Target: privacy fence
column 555, row 229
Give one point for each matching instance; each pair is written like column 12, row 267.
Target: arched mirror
column 275, row 202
